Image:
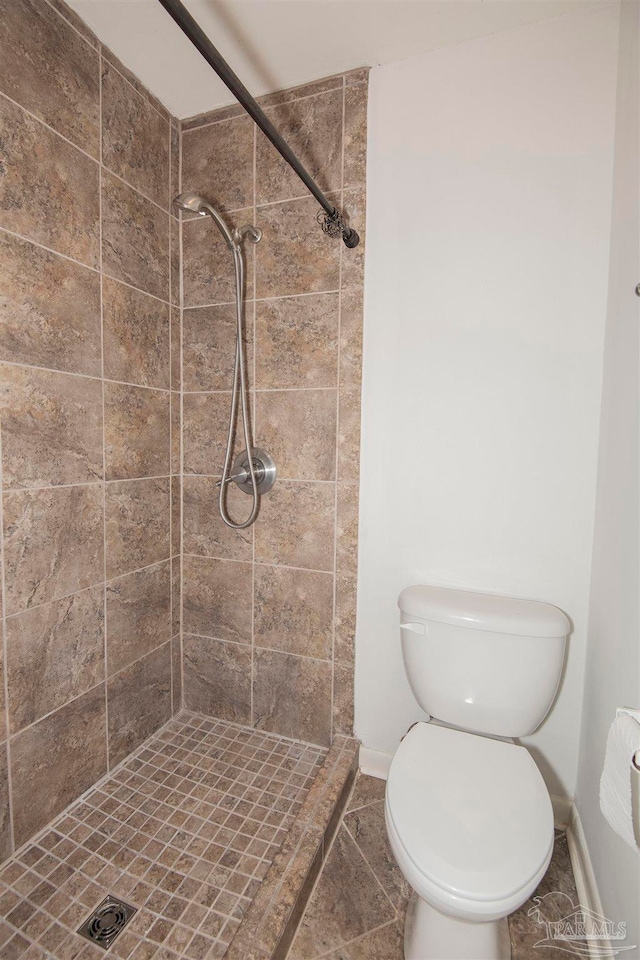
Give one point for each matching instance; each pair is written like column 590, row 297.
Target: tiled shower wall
column 89, row 267
column 269, row 613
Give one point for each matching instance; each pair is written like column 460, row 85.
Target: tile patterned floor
column 184, row 829
column 357, row 909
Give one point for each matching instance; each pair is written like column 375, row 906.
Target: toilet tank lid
column 484, row 611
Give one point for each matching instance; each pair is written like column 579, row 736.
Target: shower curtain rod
column 333, row 223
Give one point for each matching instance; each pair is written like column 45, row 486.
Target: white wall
column 489, row 207
column 613, row 649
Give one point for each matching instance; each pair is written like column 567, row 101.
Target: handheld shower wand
column 254, row 471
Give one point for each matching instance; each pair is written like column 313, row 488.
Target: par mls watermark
column 574, row 929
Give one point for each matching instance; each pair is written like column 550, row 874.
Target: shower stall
column 177, row 686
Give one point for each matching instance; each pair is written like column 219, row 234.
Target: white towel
column 615, row 783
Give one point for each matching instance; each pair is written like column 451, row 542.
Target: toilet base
column 431, row 935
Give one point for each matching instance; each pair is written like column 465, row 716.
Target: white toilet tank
column 482, row 662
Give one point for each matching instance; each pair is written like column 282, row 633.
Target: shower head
column 191, row 202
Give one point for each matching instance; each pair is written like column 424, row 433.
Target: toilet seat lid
column 472, row 813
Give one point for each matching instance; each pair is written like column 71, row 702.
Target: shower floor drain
column 107, row 921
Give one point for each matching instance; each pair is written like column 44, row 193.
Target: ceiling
column 273, row 44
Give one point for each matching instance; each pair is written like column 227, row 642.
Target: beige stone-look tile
column 176, row 349
column 205, row 534
column 136, row 336
column 347, row 525
column 176, row 432
column 138, row 614
column 385, row 943
column 298, row 428
column 135, row 83
column 354, row 202
column 313, row 129
column 50, row 314
column 53, row 544
column 5, row 822
column 209, row 346
column 217, row 598
column 343, row 698
column 205, row 429
column 176, row 515
column 294, row 255
column 295, row 526
column 292, row 696
column 368, row 829
column 366, row 790
column 47, row 68
column 176, row 595
column 217, row 162
column 176, row 675
column 293, row 610
column 314, row 87
column 49, row 190
column 175, row 160
column 75, row 21
column 351, row 334
column 135, row 238
column 3, row 718
column 139, row 700
column 135, row 137
column 137, row 521
column 345, row 619
column 347, row 903
column 217, row 678
column 355, row 134
column 56, row 760
column 207, row 262
column 349, row 433
column 211, row 116
column 51, row 427
column 176, row 260
column 137, row 432
column 297, row 342
column 55, row 652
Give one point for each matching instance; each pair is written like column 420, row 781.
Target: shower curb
column 270, row 924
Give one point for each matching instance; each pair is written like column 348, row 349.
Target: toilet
column 468, row 814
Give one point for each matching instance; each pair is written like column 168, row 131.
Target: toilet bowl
column 470, row 824
column 468, row 815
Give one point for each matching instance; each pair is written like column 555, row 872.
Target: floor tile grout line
column 57, row 824
column 377, row 878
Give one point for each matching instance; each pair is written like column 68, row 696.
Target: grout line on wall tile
column 47, row 126
column 253, row 665
column 167, row 116
column 272, row 106
column 94, row 46
column 104, row 439
column 171, row 426
column 42, row 246
column 5, row 679
column 137, row 190
column 62, row 706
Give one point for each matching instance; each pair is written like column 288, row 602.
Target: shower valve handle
column 243, row 476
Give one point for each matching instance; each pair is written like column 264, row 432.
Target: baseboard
column 586, row 886
column 374, row 763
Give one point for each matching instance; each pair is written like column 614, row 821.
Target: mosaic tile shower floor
column 184, row 829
